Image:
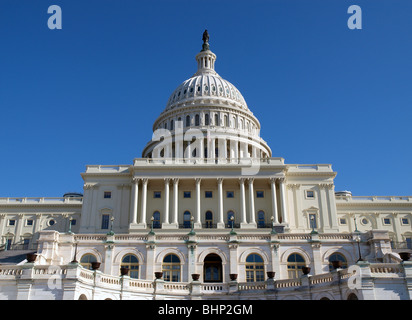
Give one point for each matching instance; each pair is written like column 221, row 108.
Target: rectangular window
column 312, row 220
column 107, row 195
column 187, row 194
column 386, row 221
column 26, row 244
column 342, row 221
column 310, row 194
column 12, row 222
column 157, row 194
column 29, row 222
column 105, row 221
column 230, row 194
column 73, row 222
column 260, row 194
column 408, row 243
column 405, row 221
column 208, row 194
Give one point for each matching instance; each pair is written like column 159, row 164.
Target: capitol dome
column 212, row 105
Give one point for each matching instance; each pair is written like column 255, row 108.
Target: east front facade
column 207, row 213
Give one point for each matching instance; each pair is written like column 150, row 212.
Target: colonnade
column 139, row 218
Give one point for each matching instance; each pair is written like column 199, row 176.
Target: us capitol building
column 207, row 213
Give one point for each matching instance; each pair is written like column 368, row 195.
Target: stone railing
column 372, row 199
column 94, row 279
column 41, row 201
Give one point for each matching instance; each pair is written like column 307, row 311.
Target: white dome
column 206, row 86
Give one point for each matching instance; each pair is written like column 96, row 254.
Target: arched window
column 295, row 264
column 337, row 257
column 261, row 219
column 171, row 268
column 216, row 119
column 255, row 268
column 209, row 219
column 131, row 262
column 352, row 296
column 86, row 261
column 230, row 222
column 186, row 219
column 156, row 220
column 197, row 120
column 206, row 119
column 187, row 121
column 226, row 121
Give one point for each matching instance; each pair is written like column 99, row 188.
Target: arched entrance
column 212, row 268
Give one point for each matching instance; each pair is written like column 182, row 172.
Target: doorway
column 212, row 268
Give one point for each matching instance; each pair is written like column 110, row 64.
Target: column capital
column 145, row 180
column 135, row 180
column 198, row 180
column 175, row 180
column 250, row 180
column 281, row 179
column 242, row 180
column 219, row 180
column 167, row 180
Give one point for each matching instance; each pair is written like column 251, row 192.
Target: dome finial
column 205, row 39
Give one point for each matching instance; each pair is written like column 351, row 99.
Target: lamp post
column 191, row 226
column 312, row 222
column 110, row 233
column 358, row 239
column 151, row 225
column 273, row 225
column 356, row 226
column 75, row 253
column 70, row 225
column 232, row 220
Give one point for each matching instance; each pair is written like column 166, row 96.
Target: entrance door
column 212, row 268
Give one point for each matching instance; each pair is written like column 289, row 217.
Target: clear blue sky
column 89, row 93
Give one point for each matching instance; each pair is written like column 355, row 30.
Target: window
column 171, row 268
column 86, row 261
column 157, row 194
column 187, row 194
column 337, row 257
column 187, row 121
column 26, row 243
column 295, row 264
column 105, row 221
column 261, row 219
column 255, row 268
column 197, row 120
column 8, row 244
column 131, row 262
column 156, row 220
column 313, row 224
column 216, row 119
column 73, row 222
column 310, row 194
column 29, row 222
column 209, row 219
column 52, row 222
column 405, row 221
column 208, row 194
column 206, row 119
column 186, row 220
column 386, row 221
column 12, row 222
column 230, row 194
column 342, row 221
column 408, row 243
column 230, row 222
column 107, row 195
column 260, row 194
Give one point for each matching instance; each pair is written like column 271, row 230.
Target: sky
column 89, row 93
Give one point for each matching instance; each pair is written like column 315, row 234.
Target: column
column 221, row 223
column 166, row 202
column 198, row 222
column 274, row 200
column 324, row 214
column 332, row 208
column 175, row 221
column 135, row 192
column 283, row 206
column 252, row 220
column 243, row 223
column 144, row 200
